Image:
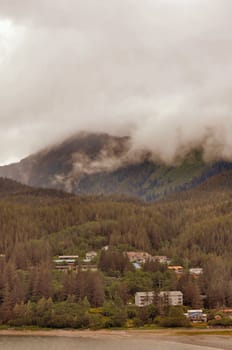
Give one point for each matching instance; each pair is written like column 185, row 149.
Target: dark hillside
column 98, row 164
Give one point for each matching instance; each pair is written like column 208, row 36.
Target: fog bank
column 157, row 70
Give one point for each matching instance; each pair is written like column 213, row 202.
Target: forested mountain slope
column 193, row 229
column 127, row 221
column 101, row 164
column 189, row 227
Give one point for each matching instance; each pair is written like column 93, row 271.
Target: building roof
column 91, row 253
column 144, row 293
column 171, row 293
column 64, row 257
column 229, row 311
column 139, row 255
column 58, row 261
column 196, row 270
column 195, row 311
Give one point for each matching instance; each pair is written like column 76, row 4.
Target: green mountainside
column 146, row 180
column 98, row 164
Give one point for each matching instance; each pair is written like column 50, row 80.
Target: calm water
column 75, row 343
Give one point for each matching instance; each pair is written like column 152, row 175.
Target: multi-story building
column 144, row 298
column 173, row 298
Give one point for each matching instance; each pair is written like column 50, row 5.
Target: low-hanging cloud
column 157, row 70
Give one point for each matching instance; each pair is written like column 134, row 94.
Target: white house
column 68, row 257
column 90, row 256
column 161, row 259
column 65, row 262
column 196, row 271
column 196, row 316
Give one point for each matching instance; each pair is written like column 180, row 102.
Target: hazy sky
column 159, row 70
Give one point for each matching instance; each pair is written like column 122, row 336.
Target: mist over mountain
column 103, row 164
column 154, row 70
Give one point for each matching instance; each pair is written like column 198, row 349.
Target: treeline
column 69, row 314
column 45, row 298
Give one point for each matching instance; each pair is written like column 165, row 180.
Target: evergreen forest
column 193, row 229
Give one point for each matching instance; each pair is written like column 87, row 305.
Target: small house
column 161, row 259
column 196, row 316
column 66, row 262
column 90, row 256
column 227, row 312
column 176, row 268
column 196, row 271
column 139, row 257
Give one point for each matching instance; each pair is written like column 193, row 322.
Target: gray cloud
column 158, row 70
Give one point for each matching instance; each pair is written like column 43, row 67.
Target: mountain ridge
column 103, row 164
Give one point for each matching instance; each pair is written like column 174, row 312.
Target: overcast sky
column 159, row 70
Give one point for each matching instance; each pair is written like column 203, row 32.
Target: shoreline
column 205, row 338
column 169, row 332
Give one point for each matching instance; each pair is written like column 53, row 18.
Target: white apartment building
column 144, row 298
column 173, row 298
